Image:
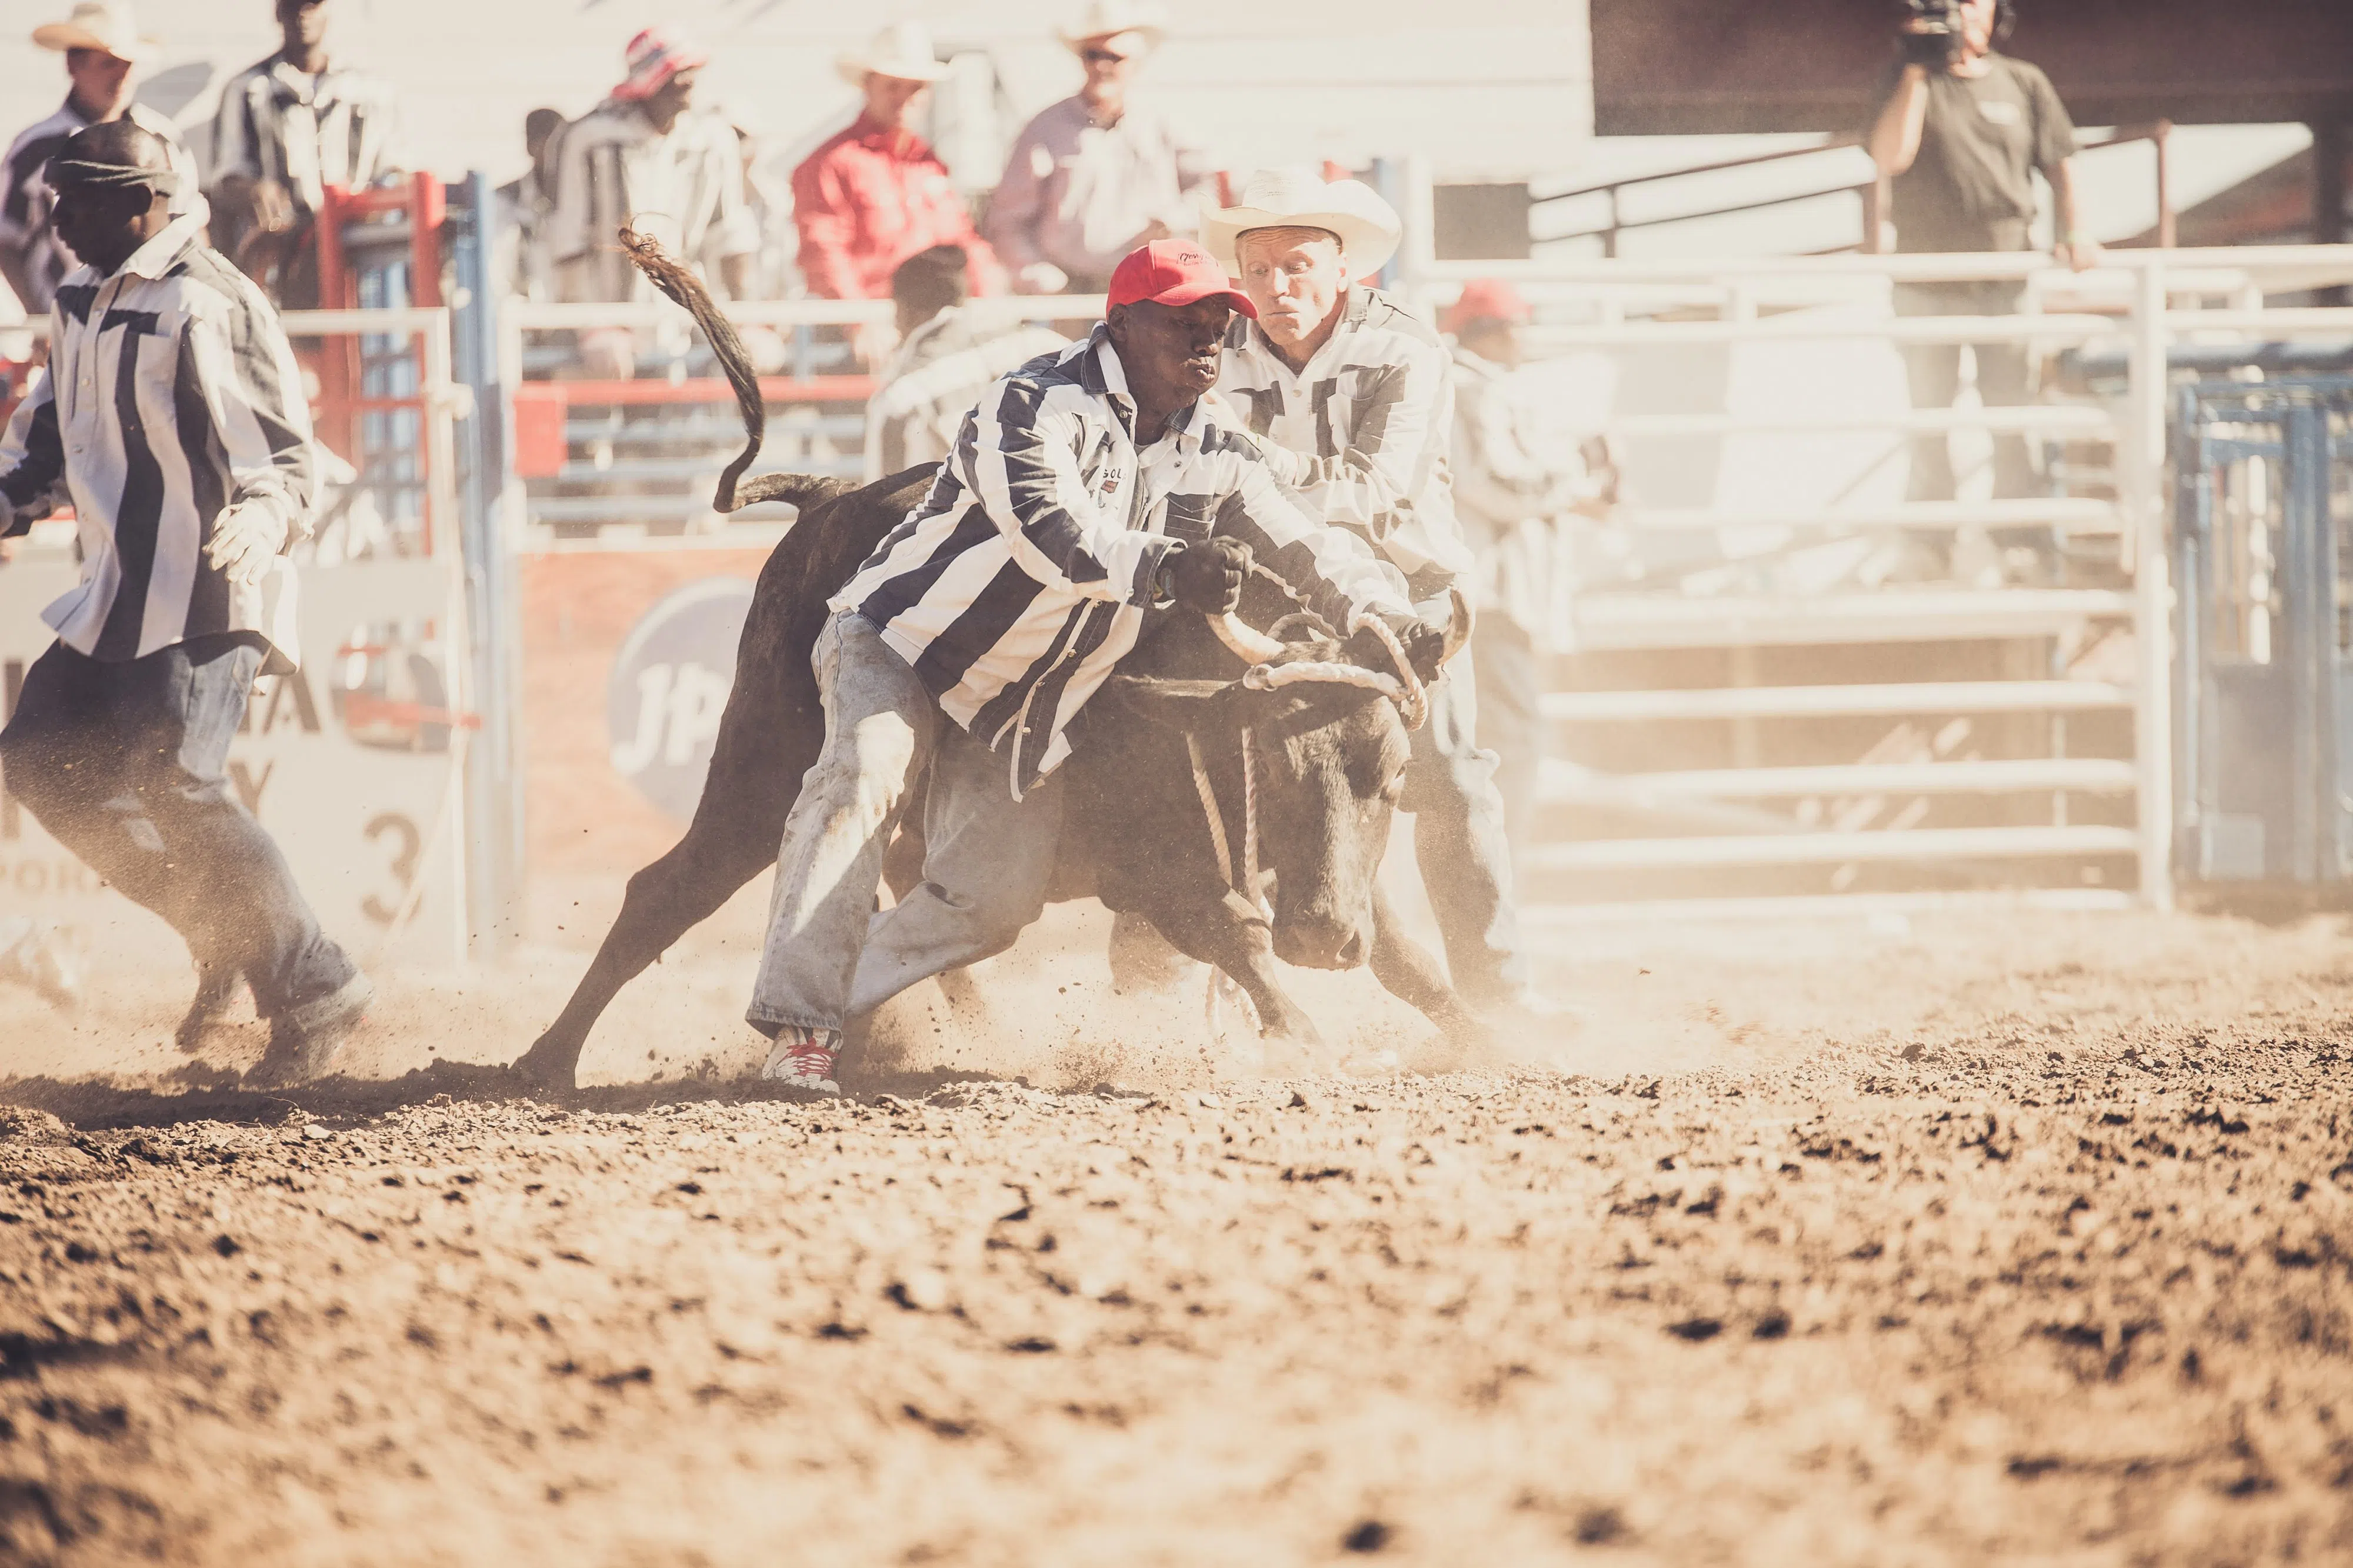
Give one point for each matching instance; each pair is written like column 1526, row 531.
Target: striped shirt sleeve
column 243, row 370
column 32, row 459
column 1019, row 454
column 1388, row 459
column 1333, row 570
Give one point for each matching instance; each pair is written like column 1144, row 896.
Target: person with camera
column 1959, row 135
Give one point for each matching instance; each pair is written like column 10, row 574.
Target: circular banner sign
column 670, row 686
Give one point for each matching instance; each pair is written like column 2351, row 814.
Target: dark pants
column 122, row 763
column 2003, row 382
column 1459, row 840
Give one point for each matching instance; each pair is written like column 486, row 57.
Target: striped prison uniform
column 1023, row 577
column 338, row 128
column 1363, row 431
column 684, row 187
column 171, row 397
column 935, row 378
column 27, row 203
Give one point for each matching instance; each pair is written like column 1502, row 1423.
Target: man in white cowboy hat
column 288, row 128
column 104, row 53
column 876, row 194
column 1097, row 174
column 1354, row 398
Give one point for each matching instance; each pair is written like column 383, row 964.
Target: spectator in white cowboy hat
column 876, row 194
column 1097, row 174
column 1356, row 399
column 288, row 126
column 103, row 54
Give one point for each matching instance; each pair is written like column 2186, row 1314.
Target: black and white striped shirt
column 170, row 395
column 1023, row 577
column 1370, row 416
column 27, row 203
column 307, row 133
column 936, row 376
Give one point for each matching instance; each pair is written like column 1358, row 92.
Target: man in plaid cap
column 650, row 156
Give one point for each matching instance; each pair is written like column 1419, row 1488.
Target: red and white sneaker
column 803, row 1059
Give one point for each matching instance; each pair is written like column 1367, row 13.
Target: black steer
column 1326, row 760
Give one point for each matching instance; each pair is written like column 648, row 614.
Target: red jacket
column 869, row 199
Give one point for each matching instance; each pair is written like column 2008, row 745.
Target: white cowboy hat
column 1110, row 18
column 902, row 49
column 110, row 29
column 1368, row 227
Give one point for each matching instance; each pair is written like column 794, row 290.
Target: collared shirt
column 684, row 187
column 870, row 199
column 1371, row 415
column 1078, row 193
column 1511, row 498
column 1022, row 579
column 934, row 379
column 171, row 397
column 340, row 127
column 26, row 202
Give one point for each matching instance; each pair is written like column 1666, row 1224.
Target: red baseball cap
column 1174, row 272
column 1484, row 299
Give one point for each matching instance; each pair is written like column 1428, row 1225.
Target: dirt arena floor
column 2017, row 1238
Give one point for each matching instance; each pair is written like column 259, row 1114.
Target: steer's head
column 1329, row 756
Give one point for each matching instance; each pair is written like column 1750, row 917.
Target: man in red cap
column 649, row 156
column 1083, row 490
column 1517, row 498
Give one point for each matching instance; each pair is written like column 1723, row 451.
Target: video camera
column 1932, row 33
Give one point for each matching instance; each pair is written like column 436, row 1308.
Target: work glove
column 244, row 541
column 1424, row 645
column 1207, row 578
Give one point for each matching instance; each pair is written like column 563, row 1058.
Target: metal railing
column 1873, row 192
column 1868, row 810
column 604, row 457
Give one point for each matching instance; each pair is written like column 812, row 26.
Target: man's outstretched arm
column 32, row 460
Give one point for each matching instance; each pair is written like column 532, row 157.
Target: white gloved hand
column 244, row 541
column 1040, row 278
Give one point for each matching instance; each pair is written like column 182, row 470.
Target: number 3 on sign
column 403, row 832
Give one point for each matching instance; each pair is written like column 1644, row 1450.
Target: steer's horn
column 1245, row 642
column 1458, row 628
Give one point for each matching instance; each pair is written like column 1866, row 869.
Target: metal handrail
column 1873, row 192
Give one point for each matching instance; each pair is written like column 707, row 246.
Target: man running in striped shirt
column 1355, row 400
column 1081, row 491
column 170, row 417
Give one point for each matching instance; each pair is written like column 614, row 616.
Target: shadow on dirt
column 198, row 1094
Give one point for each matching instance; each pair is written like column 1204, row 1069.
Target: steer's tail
column 802, row 490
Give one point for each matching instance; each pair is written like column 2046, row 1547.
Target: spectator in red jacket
column 877, row 194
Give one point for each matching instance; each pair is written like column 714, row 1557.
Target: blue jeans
column 122, row 763
column 1459, row 839
column 988, row 859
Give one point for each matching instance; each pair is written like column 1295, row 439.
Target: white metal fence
column 2141, row 303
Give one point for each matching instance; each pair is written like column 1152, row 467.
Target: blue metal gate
column 2263, row 662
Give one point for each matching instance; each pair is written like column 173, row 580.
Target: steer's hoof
column 547, row 1066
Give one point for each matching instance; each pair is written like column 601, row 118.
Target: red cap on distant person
column 653, row 58
column 1174, row 272
column 1484, row 299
